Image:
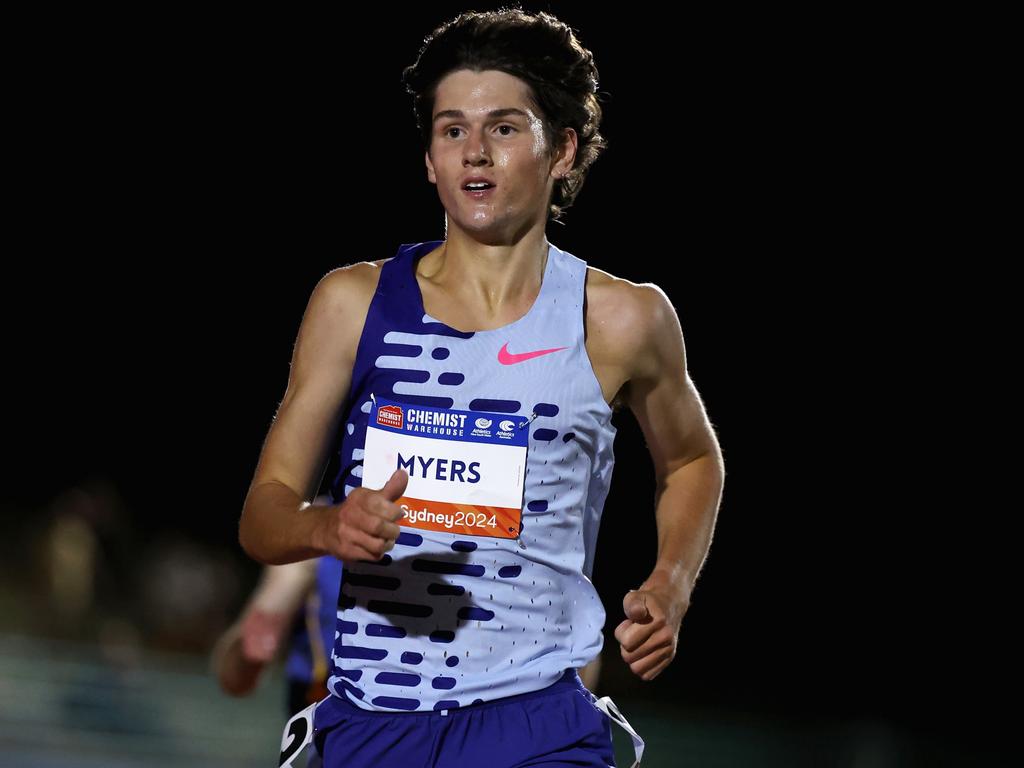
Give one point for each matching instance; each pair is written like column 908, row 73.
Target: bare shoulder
column 608, row 293
column 627, row 319
column 333, row 320
column 345, row 292
column 352, row 282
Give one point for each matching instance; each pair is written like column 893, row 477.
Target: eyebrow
column 493, row 113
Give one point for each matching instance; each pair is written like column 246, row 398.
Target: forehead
column 481, row 92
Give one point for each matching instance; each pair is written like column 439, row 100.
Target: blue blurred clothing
column 305, row 656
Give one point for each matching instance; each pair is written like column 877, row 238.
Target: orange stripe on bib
column 463, row 519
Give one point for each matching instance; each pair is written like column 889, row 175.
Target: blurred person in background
column 297, row 601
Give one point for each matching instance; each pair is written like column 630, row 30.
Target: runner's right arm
column 278, row 525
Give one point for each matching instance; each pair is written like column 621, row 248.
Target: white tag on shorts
column 606, row 705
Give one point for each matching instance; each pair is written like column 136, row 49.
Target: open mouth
column 478, row 190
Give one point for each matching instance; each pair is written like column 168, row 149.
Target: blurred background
column 184, row 182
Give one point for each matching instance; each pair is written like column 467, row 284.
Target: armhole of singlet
column 362, row 332
column 581, row 321
column 347, row 405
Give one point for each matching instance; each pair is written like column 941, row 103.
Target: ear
column 566, row 154
column 431, row 176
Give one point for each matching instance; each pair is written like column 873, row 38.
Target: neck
column 490, row 275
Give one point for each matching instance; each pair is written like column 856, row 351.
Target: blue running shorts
column 554, row 727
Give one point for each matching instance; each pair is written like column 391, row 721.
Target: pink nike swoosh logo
column 509, row 358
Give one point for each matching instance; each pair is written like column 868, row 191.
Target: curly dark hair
column 539, row 49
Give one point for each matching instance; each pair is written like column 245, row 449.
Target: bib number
column 466, row 468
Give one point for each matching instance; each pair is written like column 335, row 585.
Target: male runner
column 473, row 380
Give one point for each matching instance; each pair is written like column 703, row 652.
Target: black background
column 186, row 181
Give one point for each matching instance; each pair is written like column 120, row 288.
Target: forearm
column 278, row 527
column 283, row 589
column 687, row 508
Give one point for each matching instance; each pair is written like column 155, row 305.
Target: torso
column 610, row 342
column 456, row 617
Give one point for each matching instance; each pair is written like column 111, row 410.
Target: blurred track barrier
column 80, row 706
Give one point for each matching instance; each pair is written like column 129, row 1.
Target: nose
column 476, row 151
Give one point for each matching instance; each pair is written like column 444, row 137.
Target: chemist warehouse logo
column 442, row 423
column 390, row 416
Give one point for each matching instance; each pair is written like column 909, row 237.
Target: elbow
column 244, row 538
column 249, row 542
column 256, row 547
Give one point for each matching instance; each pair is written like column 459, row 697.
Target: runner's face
column 508, row 149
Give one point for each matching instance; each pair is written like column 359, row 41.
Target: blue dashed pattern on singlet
column 443, row 620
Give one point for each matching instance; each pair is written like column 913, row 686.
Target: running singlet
column 467, row 609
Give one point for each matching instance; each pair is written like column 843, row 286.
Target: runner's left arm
column 689, row 471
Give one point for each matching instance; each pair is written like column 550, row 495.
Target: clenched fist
column 650, row 632
column 364, row 526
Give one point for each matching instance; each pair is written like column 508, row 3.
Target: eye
column 511, row 128
column 448, row 131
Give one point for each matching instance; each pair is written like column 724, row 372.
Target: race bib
column 298, row 733
column 466, row 468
